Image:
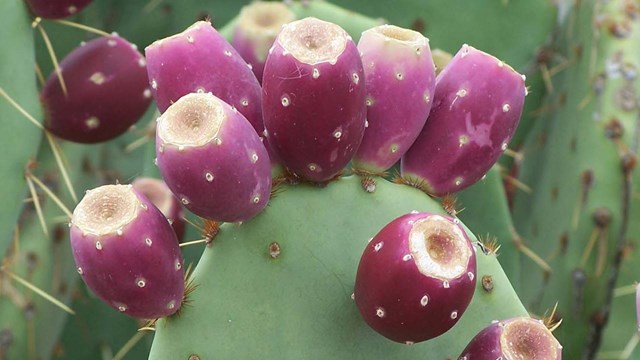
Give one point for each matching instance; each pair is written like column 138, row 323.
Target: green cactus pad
column 44, row 261
column 19, row 137
column 495, row 223
column 280, row 285
column 573, row 163
column 96, row 331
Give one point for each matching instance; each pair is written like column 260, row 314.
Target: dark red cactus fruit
column 416, row 277
column 400, row 81
column 127, row 253
column 477, row 106
column 517, row 338
column 258, row 25
column 107, row 87
column 56, row 9
column 212, row 159
column 200, row 60
column 162, row 197
column 314, row 98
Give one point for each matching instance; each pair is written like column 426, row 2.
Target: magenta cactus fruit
column 416, row 277
column 517, row 338
column 107, row 91
column 162, row 197
column 200, row 60
column 398, row 69
column 127, row 253
column 56, row 9
column 258, row 25
column 314, row 98
column 212, row 159
column 477, row 106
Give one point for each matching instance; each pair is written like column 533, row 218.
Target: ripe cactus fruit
column 56, row 9
column 416, row 277
column 127, row 253
column 516, row 338
column 477, row 105
column 200, row 60
column 314, row 98
column 258, row 25
column 212, row 159
column 107, row 91
column 398, row 69
column 162, row 197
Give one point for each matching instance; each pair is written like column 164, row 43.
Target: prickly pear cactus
column 280, row 284
column 580, row 163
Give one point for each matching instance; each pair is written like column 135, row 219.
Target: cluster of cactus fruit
column 323, row 171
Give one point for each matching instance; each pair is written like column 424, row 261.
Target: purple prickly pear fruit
column 517, row 338
column 258, row 25
column 56, row 9
column 199, row 59
column 212, row 159
column 162, row 197
column 416, row 277
column 127, row 253
column 398, row 69
column 107, row 91
column 476, row 109
column 314, row 98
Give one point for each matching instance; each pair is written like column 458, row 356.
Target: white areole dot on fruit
column 92, row 122
column 97, row 78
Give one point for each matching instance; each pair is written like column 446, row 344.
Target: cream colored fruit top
column 194, row 120
column 439, row 248
column 312, row 41
column 260, row 22
column 397, row 34
column 526, row 338
column 106, row 209
column 264, row 18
